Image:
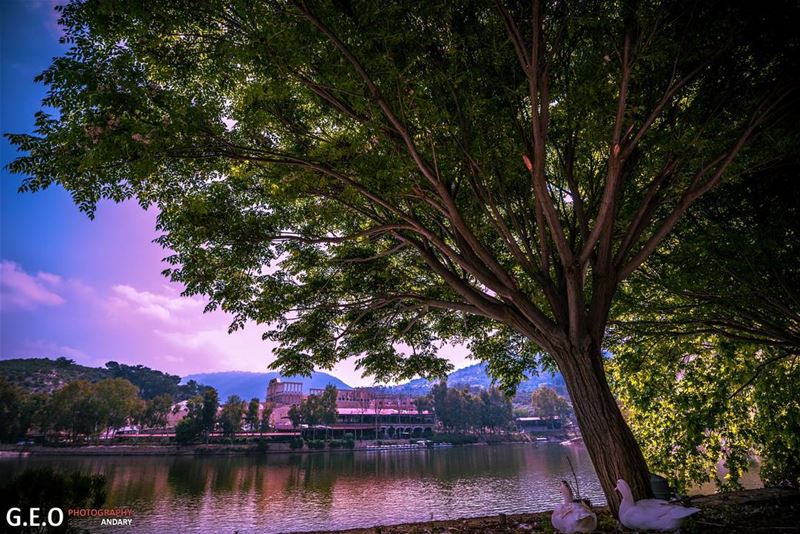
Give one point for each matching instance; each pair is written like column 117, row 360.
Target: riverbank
column 200, row 449
column 745, row 512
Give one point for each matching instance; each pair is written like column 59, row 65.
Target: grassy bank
column 750, row 511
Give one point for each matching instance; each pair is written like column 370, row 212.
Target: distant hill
column 43, row 375
column 474, row 376
column 248, row 385
column 46, row 375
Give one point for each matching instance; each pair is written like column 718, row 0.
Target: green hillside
column 43, row 375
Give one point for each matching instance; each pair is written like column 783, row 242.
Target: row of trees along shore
column 315, row 410
column 79, row 409
column 458, row 409
column 84, row 411
column 204, row 417
column 359, row 179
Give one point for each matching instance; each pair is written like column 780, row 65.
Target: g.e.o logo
column 15, row 518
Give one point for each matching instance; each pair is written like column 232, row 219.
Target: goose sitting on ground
column 572, row 516
column 650, row 514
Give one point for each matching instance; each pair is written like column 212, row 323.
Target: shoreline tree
column 209, row 406
column 327, row 407
column 548, row 404
column 230, row 417
column 157, row 411
column 266, row 415
column 365, row 177
column 251, row 417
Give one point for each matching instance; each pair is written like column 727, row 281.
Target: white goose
column 572, row 516
column 650, row 514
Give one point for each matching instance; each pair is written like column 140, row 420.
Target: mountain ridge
column 475, row 375
column 43, row 374
column 250, row 384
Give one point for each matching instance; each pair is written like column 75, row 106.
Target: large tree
column 374, row 179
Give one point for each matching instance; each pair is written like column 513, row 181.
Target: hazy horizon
column 265, row 371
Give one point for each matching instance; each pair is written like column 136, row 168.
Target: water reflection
column 279, row 493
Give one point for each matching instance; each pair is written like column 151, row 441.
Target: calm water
column 285, row 492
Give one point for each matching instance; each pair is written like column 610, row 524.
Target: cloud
column 41, row 347
column 243, row 349
column 20, row 290
column 162, row 307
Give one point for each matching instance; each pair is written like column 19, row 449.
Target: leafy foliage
column 209, row 403
column 266, row 413
column 458, row 409
column 251, row 417
column 230, row 418
column 156, row 411
column 547, row 404
column 187, row 430
column 706, row 345
column 733, row 267
column 315, row 410
column 19, row 411
column 200, row 418
column 84, row 409
column 334, row 147
column 692, row 404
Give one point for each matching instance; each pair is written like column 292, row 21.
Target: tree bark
column 610, row 442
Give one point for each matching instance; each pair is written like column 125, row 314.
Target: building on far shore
column 362, row 412
column 280, row 393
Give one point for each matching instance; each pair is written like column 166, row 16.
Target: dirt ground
column 750, row 511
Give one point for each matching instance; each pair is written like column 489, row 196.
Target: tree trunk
column 610, row 442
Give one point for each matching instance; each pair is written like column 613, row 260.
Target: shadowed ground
column 750, row 511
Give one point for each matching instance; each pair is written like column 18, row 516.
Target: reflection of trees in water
column 128, row 479
column 321, row 472
column 187, row 476
column 227, row 475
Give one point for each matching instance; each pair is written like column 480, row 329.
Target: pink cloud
column 209, row 340
column 19, row 289
column 133, row 323
column 163, row 307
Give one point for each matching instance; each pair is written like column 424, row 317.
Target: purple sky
column 92, row 290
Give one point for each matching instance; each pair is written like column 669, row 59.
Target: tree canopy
column 230, row 418
column 459, row 409
column 548, row 404
column 385, row 165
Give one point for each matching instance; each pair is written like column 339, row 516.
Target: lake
column 296, row 492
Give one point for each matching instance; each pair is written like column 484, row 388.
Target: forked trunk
column 610, row 442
